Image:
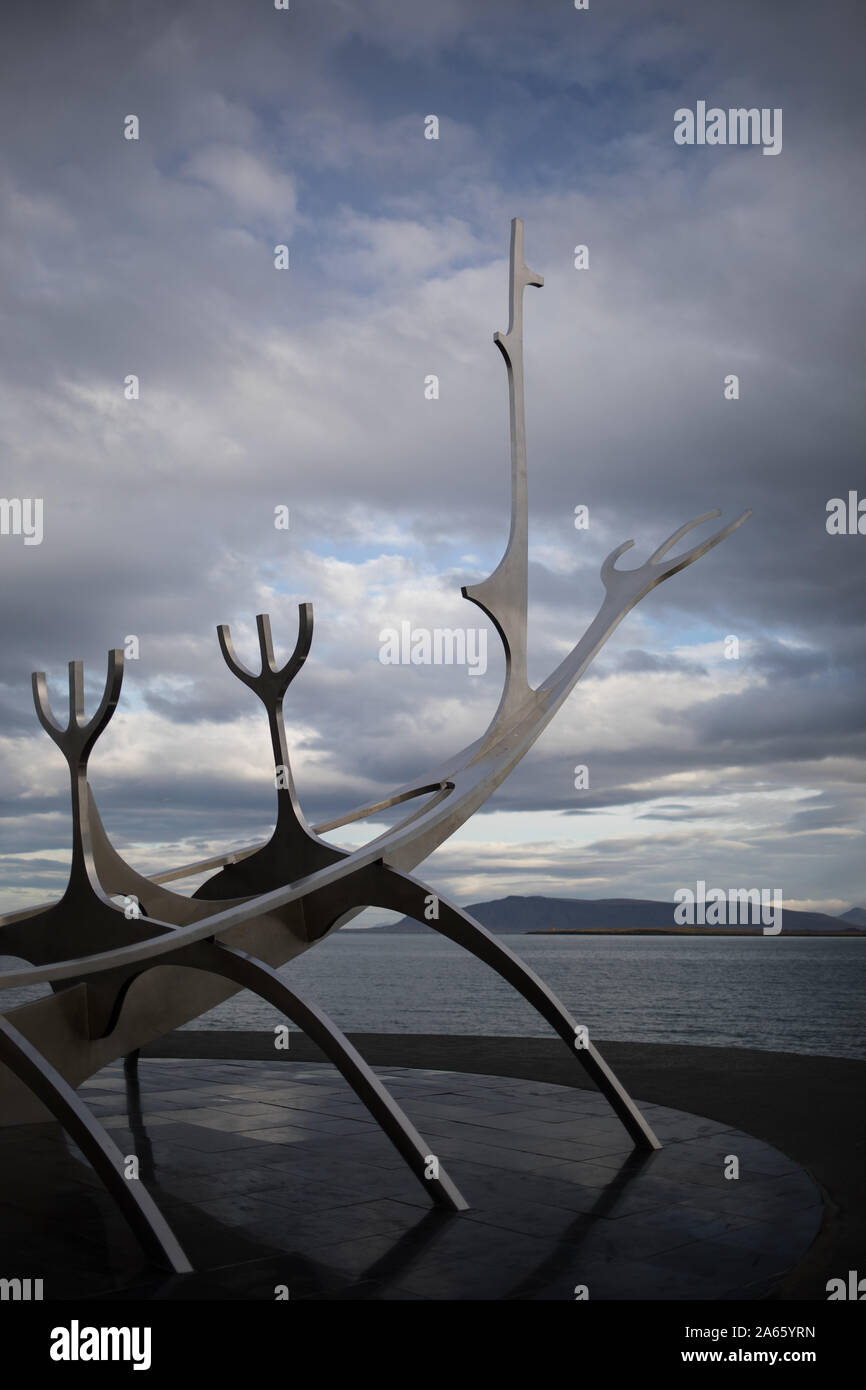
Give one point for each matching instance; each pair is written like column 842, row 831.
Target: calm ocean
column 781, row 994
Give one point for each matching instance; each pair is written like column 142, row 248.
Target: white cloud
column 251, row 187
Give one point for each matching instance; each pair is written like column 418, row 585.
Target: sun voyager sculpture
column 120, row 981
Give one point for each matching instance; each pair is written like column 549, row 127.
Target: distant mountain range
column 516, row 915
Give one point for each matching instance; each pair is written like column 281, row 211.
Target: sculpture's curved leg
column 135, row 1114
column 382, row 886
column 133, row 1199
column 261, row 979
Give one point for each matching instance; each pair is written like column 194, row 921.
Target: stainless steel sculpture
column 119, row 983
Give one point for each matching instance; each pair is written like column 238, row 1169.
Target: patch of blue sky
column 522, row 104
column 674, row 632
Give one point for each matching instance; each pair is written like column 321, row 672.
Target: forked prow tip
column 687, row 558
column 671, row 541
column 608, row 568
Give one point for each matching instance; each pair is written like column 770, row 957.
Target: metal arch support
column 261, row 979
column 385, row 887
column 133, row 1199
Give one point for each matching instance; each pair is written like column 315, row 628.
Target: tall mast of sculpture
column 503, row 595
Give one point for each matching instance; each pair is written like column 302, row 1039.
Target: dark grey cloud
column 260, row 388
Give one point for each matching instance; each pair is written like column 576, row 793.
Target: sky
column 305, row 388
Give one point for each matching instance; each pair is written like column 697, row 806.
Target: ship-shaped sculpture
column 121, row 981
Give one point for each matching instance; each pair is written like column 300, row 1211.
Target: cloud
column 305, row 388
column 249, row 187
